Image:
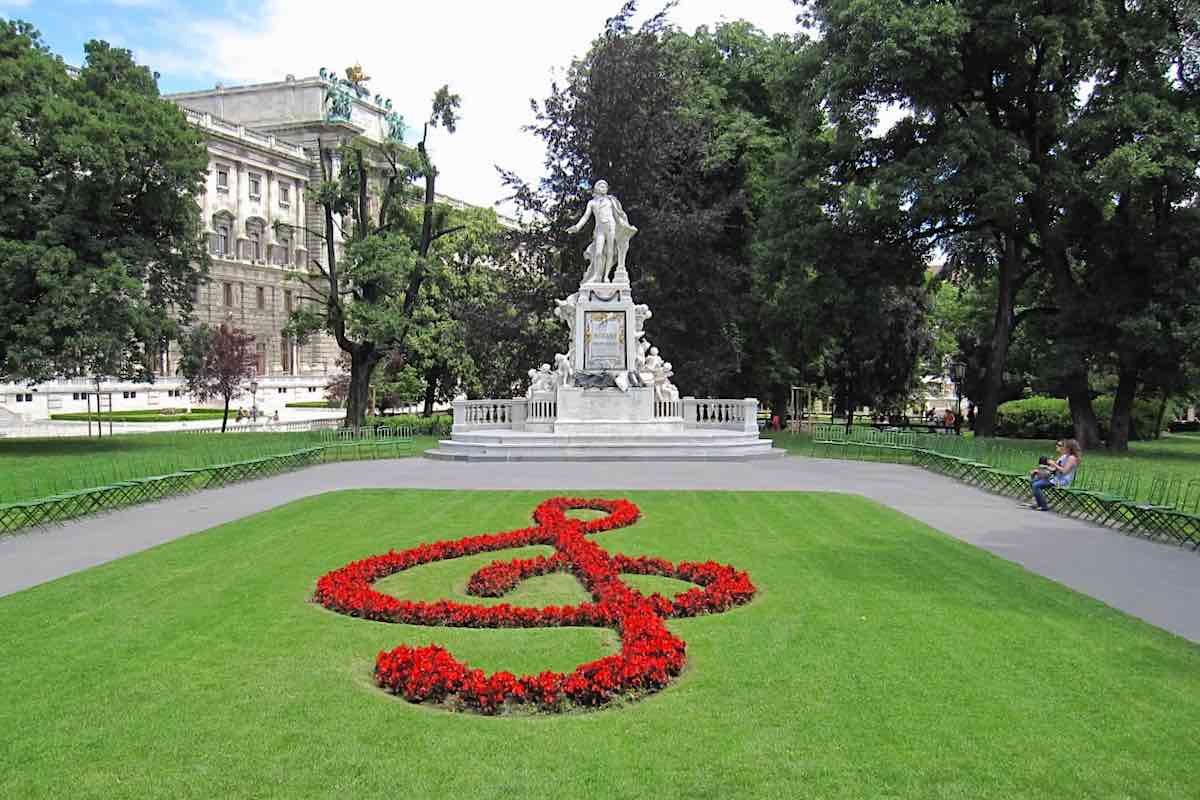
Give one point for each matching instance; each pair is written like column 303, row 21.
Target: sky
column 496, row 55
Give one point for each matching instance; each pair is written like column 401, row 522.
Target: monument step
column 520, row 446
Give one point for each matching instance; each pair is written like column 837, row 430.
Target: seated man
column 1059, row 472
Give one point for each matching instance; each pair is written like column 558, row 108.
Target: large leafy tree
column 630, row 111
column 483, row 316
column 100, row 235
column 1133, row 223
column 1049, row 149
column 991, row 88
column 366, row 293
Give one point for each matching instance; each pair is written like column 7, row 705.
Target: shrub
column 315, row 404
column 437, row 425
column 1184, row 426
column 1050, row 418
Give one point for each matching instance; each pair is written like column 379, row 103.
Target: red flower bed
column 650, row 655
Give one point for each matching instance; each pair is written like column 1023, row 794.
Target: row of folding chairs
column 70, row 505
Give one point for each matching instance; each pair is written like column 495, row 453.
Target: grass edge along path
column 1168, row 511
column 23, row 515
column 880, row 659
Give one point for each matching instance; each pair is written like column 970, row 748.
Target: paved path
column 1158, row 583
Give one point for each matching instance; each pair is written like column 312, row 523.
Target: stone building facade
column 263, row 157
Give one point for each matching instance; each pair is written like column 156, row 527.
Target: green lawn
column 32, row 468
column 879, row 659
column 195, row 415
column 1176, row 455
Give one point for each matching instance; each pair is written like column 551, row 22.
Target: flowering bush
column 650, row 655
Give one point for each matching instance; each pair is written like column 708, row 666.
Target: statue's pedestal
column 610, row 411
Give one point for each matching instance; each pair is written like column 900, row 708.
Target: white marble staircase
column 688, row 445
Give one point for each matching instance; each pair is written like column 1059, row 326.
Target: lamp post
column 957, row 371
column 254, row 400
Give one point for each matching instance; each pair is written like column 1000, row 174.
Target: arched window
column 221, row 239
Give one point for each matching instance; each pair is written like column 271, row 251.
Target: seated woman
column 1059, row 472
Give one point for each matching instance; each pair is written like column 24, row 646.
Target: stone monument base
column 687, row 445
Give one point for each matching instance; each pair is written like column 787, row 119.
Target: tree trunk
column 780, row 397
column 1083, row 416
column 362, row 363
column 993, row 378
column 1122, row 413
column 431, row 382
column 225, row 419
column 1162, row 413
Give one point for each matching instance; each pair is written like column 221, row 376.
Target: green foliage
column 100, row 234
column 437, row 425
column 688, row 158
column 1050, row 418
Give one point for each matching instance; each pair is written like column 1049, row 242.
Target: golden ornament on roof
column 356, row 75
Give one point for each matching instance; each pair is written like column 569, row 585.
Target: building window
column 229, row 295
column 260, row 356
column 129, row 395
column 287, row 300
column 255, row 246
column 222, row 240
column 285, row 352
column 282, row 390
column 23, row 397
column 79, row 395
column 260, row 297
column 255, row 187
column 285, row 196
column 283, row 251
column 174, row 392
column 222, row 180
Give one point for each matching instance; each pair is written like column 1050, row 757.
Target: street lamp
column 254, row 400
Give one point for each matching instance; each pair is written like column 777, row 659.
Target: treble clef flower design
column 650, row 656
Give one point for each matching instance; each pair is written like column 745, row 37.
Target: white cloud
column 496, row 55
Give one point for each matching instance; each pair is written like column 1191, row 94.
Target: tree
column 366, row 295
column 484, row 316
column 630, row 112
column 991, row 88
column 100, row 237
column 216, row 363
column 1133, row 219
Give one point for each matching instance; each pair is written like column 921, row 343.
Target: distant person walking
column 1059, row 472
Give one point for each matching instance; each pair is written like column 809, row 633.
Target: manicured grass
column 32, row 468
column 195, row 415
column 879, row 659
column 1175, row 455
column 313, row 404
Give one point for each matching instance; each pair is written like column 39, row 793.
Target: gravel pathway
column 1156, row 582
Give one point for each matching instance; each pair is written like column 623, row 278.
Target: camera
column 1043, row 461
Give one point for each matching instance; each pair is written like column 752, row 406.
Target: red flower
column 649, row 657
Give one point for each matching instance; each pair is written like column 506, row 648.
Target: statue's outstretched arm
column 578, row 226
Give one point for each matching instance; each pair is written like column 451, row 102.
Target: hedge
column 315, row 404
column 1050, row 418
column 437, row 425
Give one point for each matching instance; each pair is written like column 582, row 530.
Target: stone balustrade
column 668, row 409
column 487, row 414
column 736, row 415
column 542, row 410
